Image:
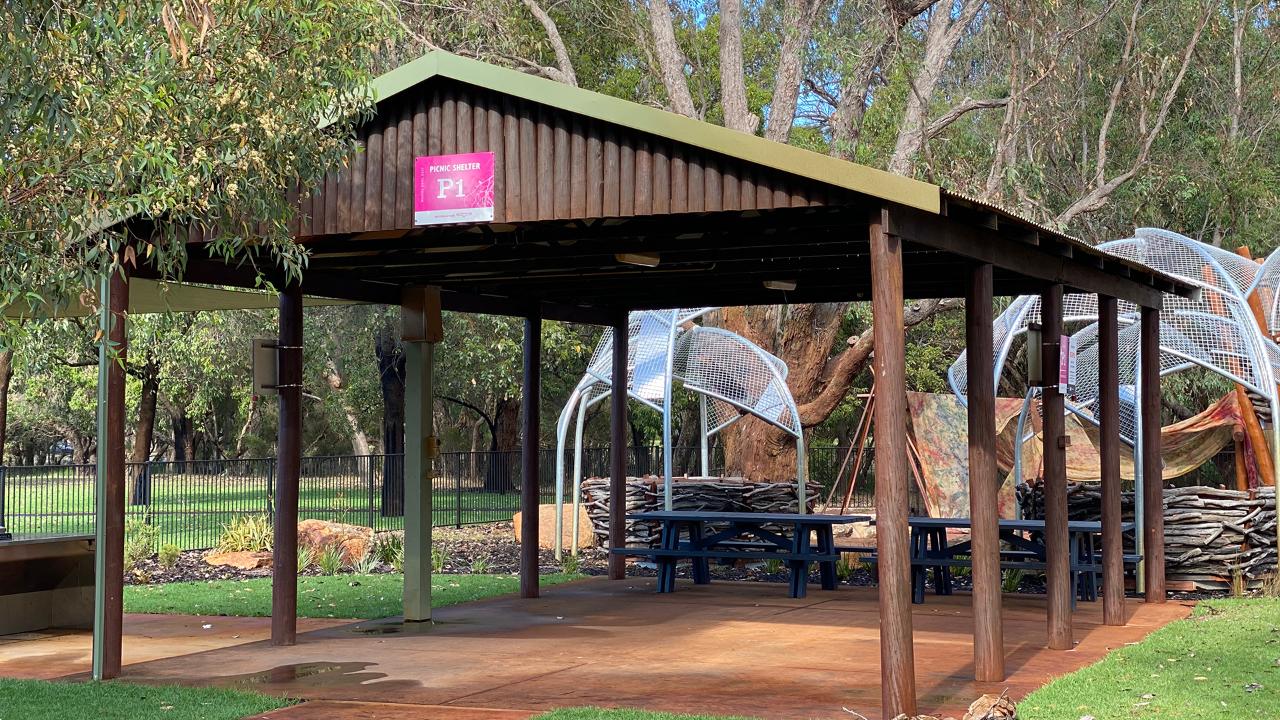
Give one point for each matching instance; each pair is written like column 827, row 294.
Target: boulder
column 547, row 526
column 241, row 560
column 353, row 541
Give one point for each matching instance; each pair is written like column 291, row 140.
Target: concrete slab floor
column 727, row 648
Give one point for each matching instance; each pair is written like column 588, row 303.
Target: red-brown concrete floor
column 727, row 648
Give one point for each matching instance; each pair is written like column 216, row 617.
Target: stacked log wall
column 644, row 494
column 1212, row 535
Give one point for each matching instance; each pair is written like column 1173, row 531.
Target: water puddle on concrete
column 290, row 673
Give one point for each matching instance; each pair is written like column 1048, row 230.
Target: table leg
column 917, row 569
column 700, row 566
column 799, row 568
column 670, row 540
column 1076, row 584
column 941, row 573
column 827, row 546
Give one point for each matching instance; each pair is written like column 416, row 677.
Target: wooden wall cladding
column 549, row 165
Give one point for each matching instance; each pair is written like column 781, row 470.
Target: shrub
column 773, row 566
column 480, row 566
column 389, row 548
column 330, row 561
column 570, row 564
column 247, row 533
column 139, row 541
column 168, row 555
column 367, row 564
column 437, row 559
column 845, row 567
column 306, row 558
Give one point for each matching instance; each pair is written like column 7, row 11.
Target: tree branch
column 671, row 61
column 563, row 61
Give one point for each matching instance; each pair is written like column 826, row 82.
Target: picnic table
column 743, row 536
column 1025, row 550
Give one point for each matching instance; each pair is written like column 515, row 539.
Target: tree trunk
column 733, row 80
column 183, row 440
column 797, row 24
column 504, row 446
column 6, row 374
column 391, row 377
column 671, row 60
column 337, row 383
column 144, row 432
column 802, row 335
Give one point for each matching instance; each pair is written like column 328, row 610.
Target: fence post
column 271, row 474
column 457, row 499
column 372, row 508
column 4, row 531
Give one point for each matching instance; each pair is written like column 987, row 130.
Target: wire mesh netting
column 1216, row 329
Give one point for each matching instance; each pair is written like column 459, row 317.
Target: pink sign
column 453, row 188
column 1066, row 364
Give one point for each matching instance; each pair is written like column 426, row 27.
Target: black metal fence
column 189, row 502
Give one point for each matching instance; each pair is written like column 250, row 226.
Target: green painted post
column 100, row 485
column 418, row 441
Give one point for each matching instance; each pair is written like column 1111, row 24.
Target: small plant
column 247, row 533
column 773, row 566
column 367, row 564
column 306, row 558
column 141, row 577
column 570, row 564
column 388, row 547
column 1237, row 583
column 1012, row 579
column 479, row 566
column 139, row 541
column 168, row 555
column 330, row 561
column 845, row 567
column 437, row 559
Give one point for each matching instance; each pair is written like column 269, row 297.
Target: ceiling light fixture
column 642, row 259
column 784, row 285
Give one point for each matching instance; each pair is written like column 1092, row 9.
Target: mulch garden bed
column 492, row 549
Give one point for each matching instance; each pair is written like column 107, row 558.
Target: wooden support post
column 1109, row 453
column 1152, row 464
column 109, row 559
column 984, row 480
column 1057, row 539
column 284, row 569
column 531, row 391
column 897, row 656
column 618, row 446
column 420, row 330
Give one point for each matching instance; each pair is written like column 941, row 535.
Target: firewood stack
column 717, row 494
column 1211, row 534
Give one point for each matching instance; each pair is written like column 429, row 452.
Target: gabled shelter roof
column 583, row 181
column 151, row 296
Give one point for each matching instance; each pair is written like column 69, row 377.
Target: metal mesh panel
column 1215, row 330
column 730, row 368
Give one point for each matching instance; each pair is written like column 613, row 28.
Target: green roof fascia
column 746, row 147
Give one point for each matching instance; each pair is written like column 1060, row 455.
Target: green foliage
column 168, row 555
column 367, row 564
column 846, row 566
column 437, row 557
column 139, row 541
column 376, row 596
column 306, row 558
column 1211, row 665
column 330, row 561
column 1010, row 581
column 247, row 533
column 388, row 547
column 772, row 566
column 41, row 700
column 570, row 564
column 205, row 113
column 479, row 566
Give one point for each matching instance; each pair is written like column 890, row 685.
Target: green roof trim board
column 642, row 118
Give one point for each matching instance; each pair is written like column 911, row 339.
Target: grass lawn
column 364, row 597
column 590, row 713
column 1222, row 662
column 40, row 700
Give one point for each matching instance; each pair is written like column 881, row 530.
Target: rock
column 353, row 541
column 241, row 560
column 547, row 526
column 992, row 707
